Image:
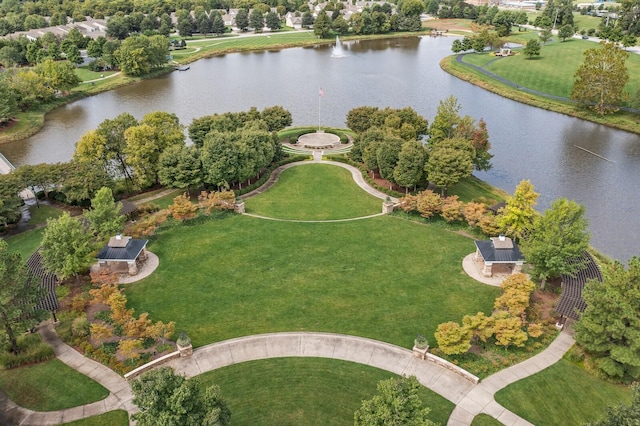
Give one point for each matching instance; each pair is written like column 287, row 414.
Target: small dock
column 5, row 165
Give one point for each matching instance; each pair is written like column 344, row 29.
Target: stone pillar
column 477, row 255
column 387, row 208
column 517, row 268
column 420, row 352
column 488, row 269
column 133, row 267
column 238, row 207
column 185, row 351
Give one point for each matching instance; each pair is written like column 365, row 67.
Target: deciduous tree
column 322, row 25
column 532, row 48
column 453, row 338
column 104, row 216
column 600, row 80
column 609, row 328
column 557, row 239
column 66, row 247
column 182, row 208
column 180, row 167
column 409, row 169
column 167, row 398
column 450, row 160
column 396, row 403
column 518, row 214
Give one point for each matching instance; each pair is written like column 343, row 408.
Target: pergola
column 48, row 281
column 571, row 303
column 499, row 251
column 123, row 255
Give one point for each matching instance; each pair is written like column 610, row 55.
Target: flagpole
column 319, row 100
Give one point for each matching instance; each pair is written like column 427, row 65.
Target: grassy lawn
column 26, row 242
column 485, row 420
column 41, row 214
column 111, row 418
column 314, row 192
column 553, row 72
column 86, row 74
column 318, row 391
column 562, row 391
column 58, row 386
column 474, row 189
column 383, row 278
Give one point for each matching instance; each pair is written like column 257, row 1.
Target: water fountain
column 338, row 51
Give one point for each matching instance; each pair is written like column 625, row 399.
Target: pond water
column 554, row 151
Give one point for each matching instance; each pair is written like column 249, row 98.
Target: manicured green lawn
column 314, row 192
column 562, row 391
column 41, row 214
column 58, row 386
column 382, row 278
column 319, row 391
column 553, row 72
column 26, row 242
column 485, row 420
column 86, row 74
column 473, row 189
column 111, row 418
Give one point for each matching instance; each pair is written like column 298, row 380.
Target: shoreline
column 626, row 121
column 36, row 119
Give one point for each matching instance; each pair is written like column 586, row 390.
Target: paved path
column 120, row 396
column 470, row 399
column 481, row 398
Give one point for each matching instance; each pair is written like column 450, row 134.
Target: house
column 123, row 255
column 293, row 21
column 499, row 254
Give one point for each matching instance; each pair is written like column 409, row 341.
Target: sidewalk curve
column 361, row 350
column 481, row 398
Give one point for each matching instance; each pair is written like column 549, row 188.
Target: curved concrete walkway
column 470, row 399
column 120, row 395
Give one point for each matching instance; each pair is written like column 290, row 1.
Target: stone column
column 488, row 269
column 239, row 207
column 387, row 208
column 133, row 267
column 517, row 268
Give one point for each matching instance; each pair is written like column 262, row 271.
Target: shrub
column 79, row 303
column 183, row 339
column 473, row 213
column 109, row 348
column 452, row 209
column 428, row 203
column 80, row 326
column 32, row 350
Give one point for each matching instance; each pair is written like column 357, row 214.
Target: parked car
column 584, row 37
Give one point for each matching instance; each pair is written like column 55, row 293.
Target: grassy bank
column 562, row 391
column 552, row 73
column 59, row 386
column 318, row 391
column 30, row 122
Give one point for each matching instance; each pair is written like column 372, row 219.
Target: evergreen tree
column 609, row 328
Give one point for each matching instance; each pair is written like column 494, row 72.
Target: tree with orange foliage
column 182, row 208
column 216, row 200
